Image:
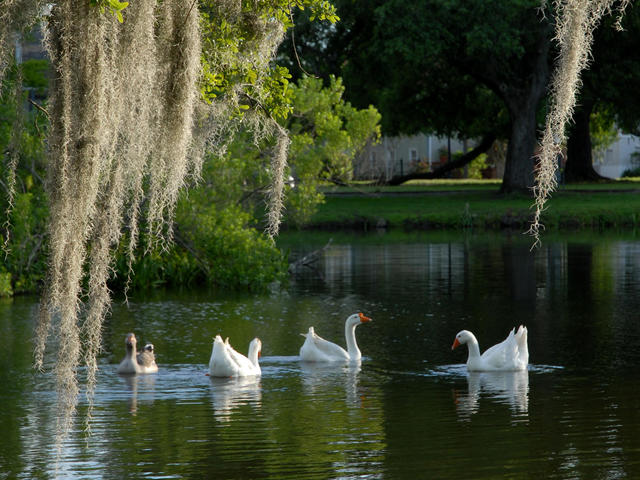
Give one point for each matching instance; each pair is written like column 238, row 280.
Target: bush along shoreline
column 507, row 221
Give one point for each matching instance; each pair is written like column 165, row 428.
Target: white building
column 405, row 154
column 408, row 154
column 623, row 154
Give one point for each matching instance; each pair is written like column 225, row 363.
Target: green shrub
column 229, row 252
column 474, row 168
column 5, row 284
column 217, row 248
column 631, row 172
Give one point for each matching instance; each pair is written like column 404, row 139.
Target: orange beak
column 455, row 344
column 363, row 318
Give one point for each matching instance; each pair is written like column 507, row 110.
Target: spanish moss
column 16, row 17
column 121, row 108
column 128, row 130
column 13, row 154
column 255, row 54
column 276, row 192
column 576, row 22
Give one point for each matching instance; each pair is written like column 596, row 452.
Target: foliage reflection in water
column 409, row 410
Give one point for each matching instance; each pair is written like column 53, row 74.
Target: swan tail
column 310, row 334
column 523, row 348
column 521, row 336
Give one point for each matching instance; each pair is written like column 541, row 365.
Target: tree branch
column 309, row 258
column 39, row 107
column 293, row 45
column 466, row 158
column 184, row 243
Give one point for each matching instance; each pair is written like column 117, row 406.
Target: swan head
column 130, row 341
column 462, row 337
column 357, row 319
column 256, row 345
column 148, row 348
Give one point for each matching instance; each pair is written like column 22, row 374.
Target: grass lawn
column 473, row 184
column 460, row 204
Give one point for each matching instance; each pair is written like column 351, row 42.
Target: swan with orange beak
column 317, row 349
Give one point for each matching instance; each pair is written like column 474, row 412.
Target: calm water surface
column 409, row 410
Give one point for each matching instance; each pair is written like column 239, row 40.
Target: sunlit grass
column 447, row 184
column 462, row 204
column 416, row 185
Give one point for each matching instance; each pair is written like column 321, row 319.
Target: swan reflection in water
column 316, row 376
column 145, row 383
column 510, row 388
column 228, row 394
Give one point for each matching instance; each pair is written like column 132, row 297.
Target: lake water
column 409, row 410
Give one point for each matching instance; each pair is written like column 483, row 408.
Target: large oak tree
column 473, row 67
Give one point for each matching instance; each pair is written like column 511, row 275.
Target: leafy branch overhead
column 114, row 6
column 238, row 45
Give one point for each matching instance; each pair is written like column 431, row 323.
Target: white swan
column 226, row 362
column 317, row 349
column 131, row 362
column 510, row 355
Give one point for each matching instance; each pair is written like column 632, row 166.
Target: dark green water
column 410, row 410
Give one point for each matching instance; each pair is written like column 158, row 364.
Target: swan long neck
column 253, row 354
column 474, row 348
column 352, row 346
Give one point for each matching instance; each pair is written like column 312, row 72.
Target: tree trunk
column 579, row 166
column 518, row 172
column 522, row 102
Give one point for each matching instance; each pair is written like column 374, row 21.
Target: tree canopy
column 474, row 69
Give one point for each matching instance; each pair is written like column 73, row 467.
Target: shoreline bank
column 477, row 208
